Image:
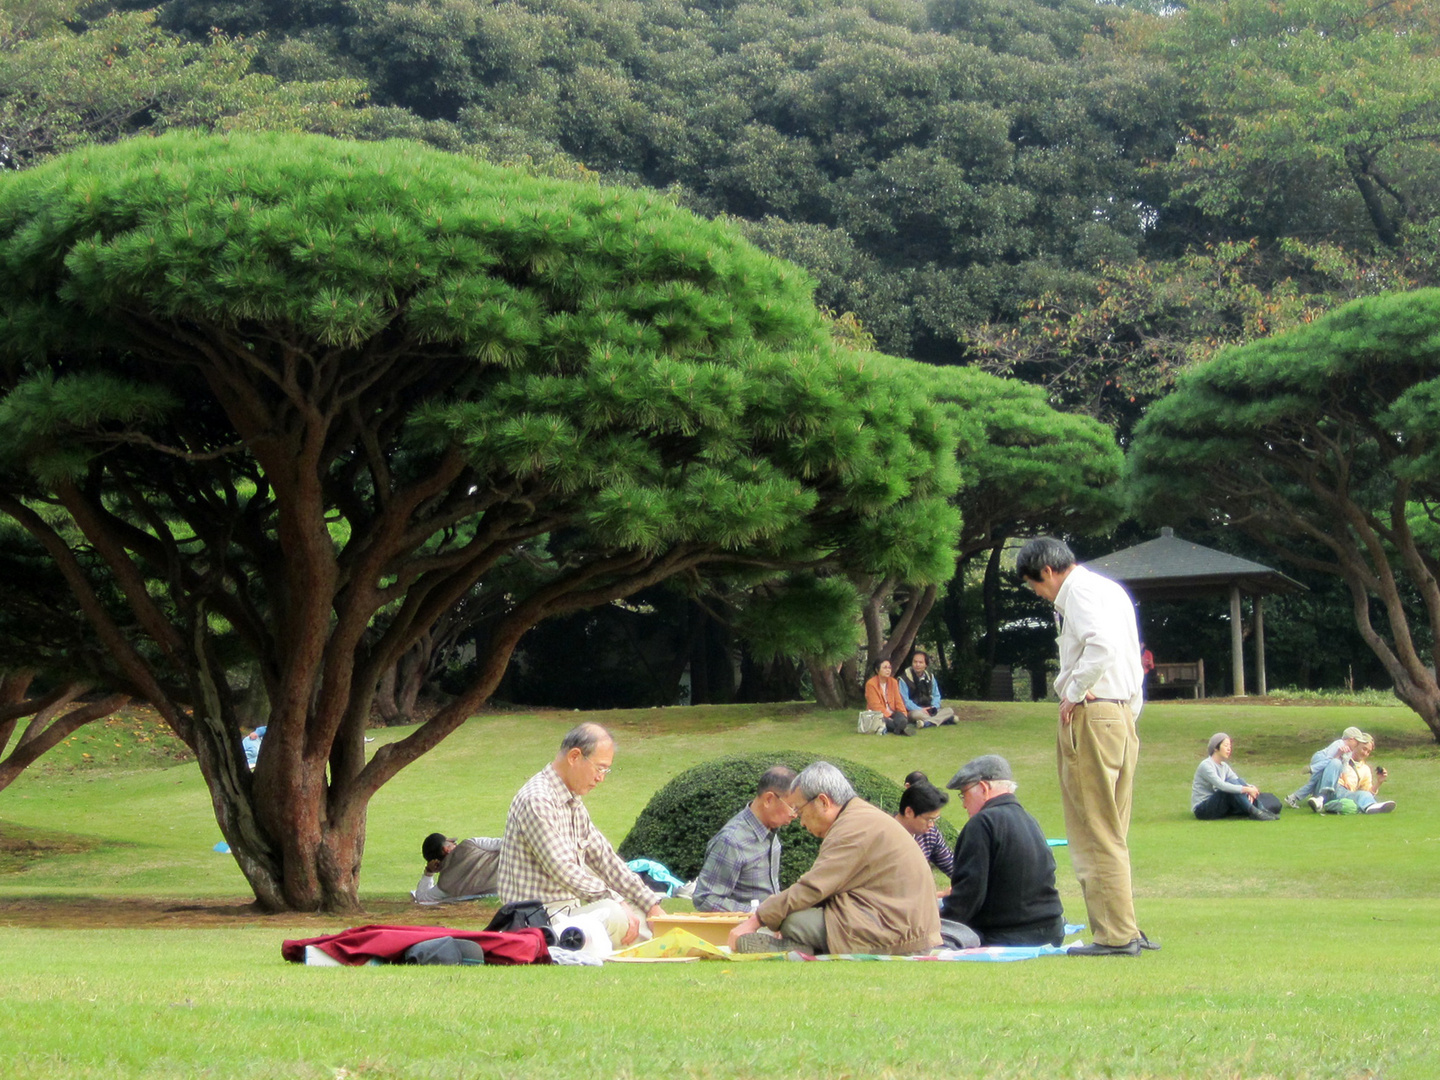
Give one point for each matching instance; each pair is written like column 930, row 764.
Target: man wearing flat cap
column 1003, row 887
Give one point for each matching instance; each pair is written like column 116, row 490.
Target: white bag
column 871, row 722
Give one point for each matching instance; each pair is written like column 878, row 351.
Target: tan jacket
column 873, row 882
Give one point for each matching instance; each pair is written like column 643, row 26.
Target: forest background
column 1090, row 197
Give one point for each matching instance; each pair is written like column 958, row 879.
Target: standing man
column 922, row 694
column 742, row 860
column 553, row 853
column 1100, row 687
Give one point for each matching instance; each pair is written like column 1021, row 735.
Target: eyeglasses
column 601, row 771
column 807, row 802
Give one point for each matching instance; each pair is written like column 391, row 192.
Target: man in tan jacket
column 870, row 890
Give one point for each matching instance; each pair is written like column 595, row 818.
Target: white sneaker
column 1380, row 808
column 1292, row 802
column 1315, row 803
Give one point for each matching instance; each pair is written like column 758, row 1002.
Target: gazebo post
column 1168, row 568
column 1237, row 638
column 1262, row 689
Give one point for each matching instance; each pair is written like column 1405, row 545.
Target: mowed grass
column 1309, row 947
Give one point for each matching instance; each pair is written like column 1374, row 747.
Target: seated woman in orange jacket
column 882, row 695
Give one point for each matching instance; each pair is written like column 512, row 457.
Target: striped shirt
column 937, row 851
column 552, row 851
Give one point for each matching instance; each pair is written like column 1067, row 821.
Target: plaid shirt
column 552, row 851
column 742, row 863
column 937, row 851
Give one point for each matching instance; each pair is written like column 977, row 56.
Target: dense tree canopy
column 933, row 164
column 1323, row 443
column 1308, row 118
column 299, row 396
column 65, row 81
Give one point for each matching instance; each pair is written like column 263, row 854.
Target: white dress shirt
column 1099, row 641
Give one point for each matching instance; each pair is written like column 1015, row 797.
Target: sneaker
column 1315, row 803
column 1380, row 808
column 947, row 721
column 1292, row 802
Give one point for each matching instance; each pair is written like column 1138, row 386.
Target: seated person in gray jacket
column 1218, row 792
column 457, row 871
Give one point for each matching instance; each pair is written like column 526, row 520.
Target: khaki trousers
column 806, row 927
column 1096, row 754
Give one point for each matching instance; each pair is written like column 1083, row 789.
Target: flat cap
column 984, row 767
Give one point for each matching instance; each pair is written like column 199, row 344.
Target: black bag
column 445, row 950
column 520, row 915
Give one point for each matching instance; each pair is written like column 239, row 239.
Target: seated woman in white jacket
column 1218, row 792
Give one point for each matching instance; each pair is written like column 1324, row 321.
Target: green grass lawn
column 1304, row 948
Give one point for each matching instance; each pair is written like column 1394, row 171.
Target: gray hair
column 1041, row 552
column 588, row 737
column 822, row 778
column 1009, row 787
column 777, row 778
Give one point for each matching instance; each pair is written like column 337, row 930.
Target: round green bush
column 680, row 819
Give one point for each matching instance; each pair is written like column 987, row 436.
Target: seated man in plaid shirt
column 742, row 860
column 553, row 853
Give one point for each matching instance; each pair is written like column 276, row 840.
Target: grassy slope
column 1301, row 948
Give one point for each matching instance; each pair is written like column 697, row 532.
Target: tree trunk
column 828, row 693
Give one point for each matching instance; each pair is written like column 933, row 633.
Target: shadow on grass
column 22, row 846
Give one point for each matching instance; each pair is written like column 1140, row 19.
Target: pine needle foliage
column 305, row 395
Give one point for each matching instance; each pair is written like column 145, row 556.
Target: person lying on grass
column 456, row 870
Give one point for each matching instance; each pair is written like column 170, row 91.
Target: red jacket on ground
column 362, row 943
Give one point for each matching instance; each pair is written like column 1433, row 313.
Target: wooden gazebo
column 1168, row 568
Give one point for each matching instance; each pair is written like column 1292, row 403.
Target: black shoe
column 1257, row 814
column 947, row 721
column 1096, row 949
column 1146, row 943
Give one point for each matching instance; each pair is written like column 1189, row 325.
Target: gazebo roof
column 1168, row 568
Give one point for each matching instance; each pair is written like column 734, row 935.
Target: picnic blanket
column 681, row 944
column 361, row 944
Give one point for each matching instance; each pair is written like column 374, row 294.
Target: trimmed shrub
column 682, row 816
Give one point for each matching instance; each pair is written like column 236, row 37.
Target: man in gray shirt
column 742, row 860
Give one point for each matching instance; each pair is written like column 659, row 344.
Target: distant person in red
column 1147, row 659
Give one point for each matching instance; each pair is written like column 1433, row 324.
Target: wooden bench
column 1189, row 675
